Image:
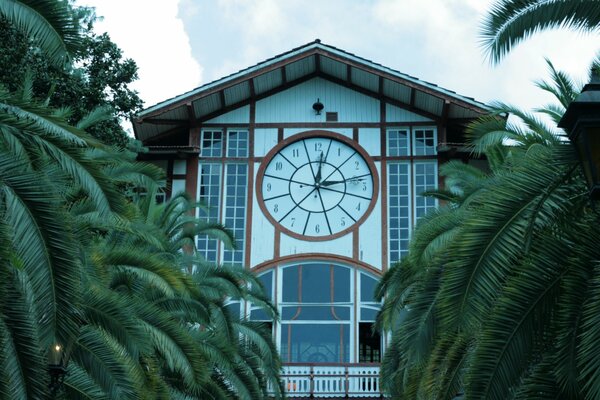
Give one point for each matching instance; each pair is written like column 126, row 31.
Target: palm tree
column 511, row 21
column 498, row 295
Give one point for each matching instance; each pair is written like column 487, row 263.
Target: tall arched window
column 327, row 312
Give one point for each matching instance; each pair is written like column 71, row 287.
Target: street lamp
column 57, row 367
column 581, row 121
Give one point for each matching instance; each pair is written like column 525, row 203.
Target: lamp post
column 581, row 121
column 57, row 367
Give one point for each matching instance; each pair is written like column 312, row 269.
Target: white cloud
column 151, row 33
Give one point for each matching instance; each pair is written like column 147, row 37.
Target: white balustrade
column 331, row 381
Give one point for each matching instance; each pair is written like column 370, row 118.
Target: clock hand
column 318, row 176
column 353, row 180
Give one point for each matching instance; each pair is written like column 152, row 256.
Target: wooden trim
column 309, row 53
column 349, row 262
column 261, row 96
column 414, row 85
column 233, row 82
column 305, row 135
column 355, row 135
column 280, row 132
column 356, row 245
column 322, row 125
column 389, row 100
column 191, row 114
column 384, row 194
column 250, row 189
column 277, row 244
column 191, row 181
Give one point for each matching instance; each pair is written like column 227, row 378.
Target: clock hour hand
column 318, row 175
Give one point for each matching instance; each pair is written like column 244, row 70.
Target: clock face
column 317, row 186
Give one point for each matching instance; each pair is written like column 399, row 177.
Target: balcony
column 332, row 380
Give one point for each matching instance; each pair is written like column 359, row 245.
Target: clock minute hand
column 329, row 183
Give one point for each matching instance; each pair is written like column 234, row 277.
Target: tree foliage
column 97, row 75
column 106, row 273
column 496, row 297
column 511, row 21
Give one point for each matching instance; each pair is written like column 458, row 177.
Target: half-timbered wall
column 401, row 146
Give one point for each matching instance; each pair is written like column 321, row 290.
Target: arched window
column 327, row 311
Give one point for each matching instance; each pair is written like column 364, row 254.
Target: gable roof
column 285, row 70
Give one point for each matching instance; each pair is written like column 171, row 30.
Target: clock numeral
column 293, row 221
column 278, row 166
column 358, row 207
column 268, row 187
column 364, row 186
column 343, row 221
column 356, row 164
column 295, row 153
column 275, row 208
column 317, row 228
column 339, row 151
column 318, row 146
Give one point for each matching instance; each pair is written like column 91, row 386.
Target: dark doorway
column 369, row 344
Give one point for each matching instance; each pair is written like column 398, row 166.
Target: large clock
column 317, row 185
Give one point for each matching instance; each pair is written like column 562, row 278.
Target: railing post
column 312, row 382
column 346, row 381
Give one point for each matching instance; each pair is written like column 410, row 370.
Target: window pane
column 425, row 179
column 313, row 283
column 237, row 144
column 398, row 142
column 235, row 210
column 315, row 343
column 209, row 191
column 399, row 209
column 267, row 282
column 367, row 288
column 368, row 314
column 211, row 144
column 424, row 142
column 315, row 313
column 259, row 315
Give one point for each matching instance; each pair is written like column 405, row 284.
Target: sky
column 179, row 45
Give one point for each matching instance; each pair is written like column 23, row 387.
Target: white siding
column 369, row 233
column 294, row 131
column 263, row 233
column 179, row 186
column 295, row 104
column 341, row 246
column 238, row 116
column 179, row 167
column 370, row 140
column 397, row 114
column 264, row 141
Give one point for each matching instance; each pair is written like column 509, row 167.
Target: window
column 236, row 180
column 399, row 204
column 424, row 142
column 256, row 313
column 222, row 187
column 425, row 179
column 211, row 144
column 237, row 144
column 208, row 193
column 316, row 313
column 397, row 142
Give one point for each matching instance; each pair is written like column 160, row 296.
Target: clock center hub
column 313, row 196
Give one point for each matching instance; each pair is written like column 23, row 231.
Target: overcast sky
column 182, row 44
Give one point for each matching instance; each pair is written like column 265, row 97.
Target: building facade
column 316, row 160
